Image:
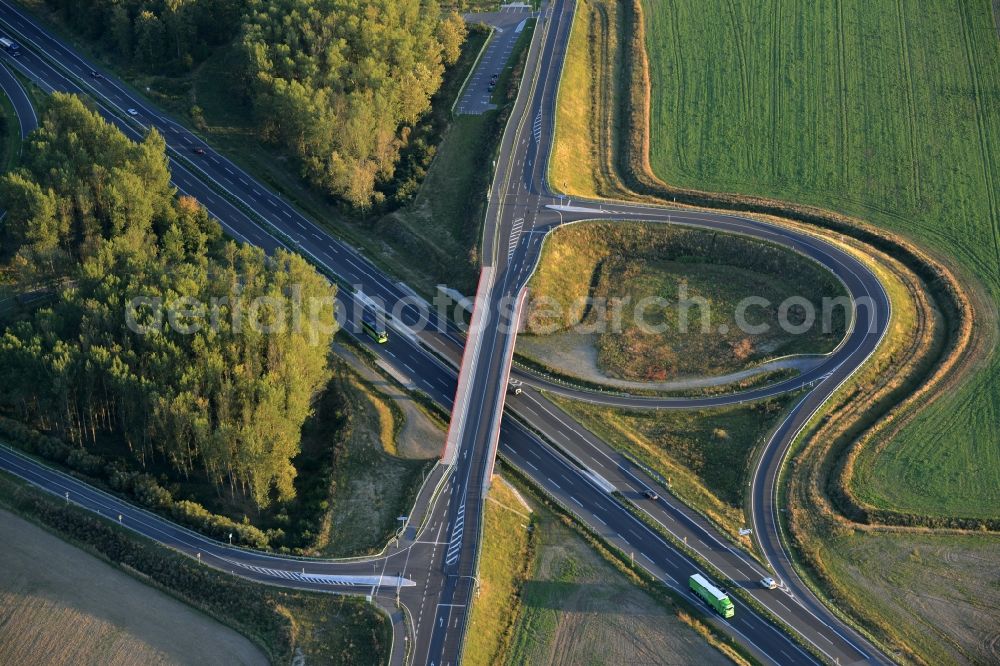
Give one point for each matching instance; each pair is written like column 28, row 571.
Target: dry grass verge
column 508, row 548
column 943, row 329
column 962, row 345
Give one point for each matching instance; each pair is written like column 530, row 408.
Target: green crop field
column 886, row 110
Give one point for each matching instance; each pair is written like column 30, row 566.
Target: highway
column 12, row 88
column 522, row 211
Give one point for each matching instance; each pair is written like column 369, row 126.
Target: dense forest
column 220, row 385
column 341, row 82
column 157, row 35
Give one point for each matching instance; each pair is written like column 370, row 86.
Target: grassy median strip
column 704, row 455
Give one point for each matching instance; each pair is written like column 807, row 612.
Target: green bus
column 712, row 595
column 373, row 329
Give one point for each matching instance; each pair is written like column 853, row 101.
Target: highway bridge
column 431, row 568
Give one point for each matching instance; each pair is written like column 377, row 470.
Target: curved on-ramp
column 851, row 356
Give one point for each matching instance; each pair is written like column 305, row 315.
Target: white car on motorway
column 769, row 583
column 133, row 112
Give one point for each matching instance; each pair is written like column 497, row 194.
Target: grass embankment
column 680, row 291
column 902, row 131
column 323, row 628
column 561, row 599
column 371, row 485
column 587, row 110
column 927, row 349
column 704, row 455
column 507, row 550
column 927, row 609
column 440, row 230
column 73, row 608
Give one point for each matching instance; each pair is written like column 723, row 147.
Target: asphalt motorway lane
column 230, row 195
column 11, row 87
column 479, row 404
column 522, row 210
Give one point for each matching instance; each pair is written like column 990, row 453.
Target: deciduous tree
column 225, row 394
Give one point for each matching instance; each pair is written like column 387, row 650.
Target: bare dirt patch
column 61, row 605
column 662, row 303
column 371, row 484
column 420, row 436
